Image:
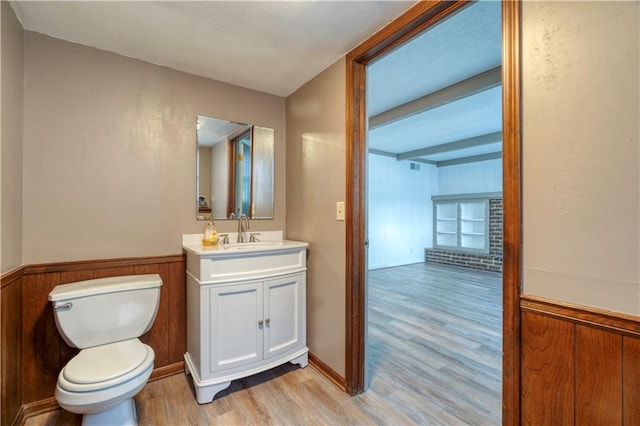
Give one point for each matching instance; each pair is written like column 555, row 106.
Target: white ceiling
column 270, row 46
column 464, row 45
column 211, row 131
column 469, row 117
column 277, row 46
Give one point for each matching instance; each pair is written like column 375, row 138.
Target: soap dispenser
column 210, row 236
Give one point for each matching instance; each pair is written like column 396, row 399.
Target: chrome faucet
column 240, row 228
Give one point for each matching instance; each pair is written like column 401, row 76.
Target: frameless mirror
column 234, row 170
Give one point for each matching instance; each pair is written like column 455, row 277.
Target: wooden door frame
column 421, row 16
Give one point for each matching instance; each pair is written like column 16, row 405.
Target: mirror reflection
column 234, row 172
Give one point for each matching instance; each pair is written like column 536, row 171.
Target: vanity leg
column 302, row 360
column 205, row 394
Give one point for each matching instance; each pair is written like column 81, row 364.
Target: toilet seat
column 105, row 366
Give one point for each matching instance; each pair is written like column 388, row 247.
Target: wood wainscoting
column 579, row 365
column 11, row 334
column 33, row 351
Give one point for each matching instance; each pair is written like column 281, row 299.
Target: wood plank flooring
column 435, row 342
column 434, row 352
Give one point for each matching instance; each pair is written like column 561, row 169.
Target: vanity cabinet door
column 236, row 325
column 285, row 314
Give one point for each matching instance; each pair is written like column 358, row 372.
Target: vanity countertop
column 193, row 243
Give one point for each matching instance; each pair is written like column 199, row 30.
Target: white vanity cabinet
column 254, row 321
column 246, row 312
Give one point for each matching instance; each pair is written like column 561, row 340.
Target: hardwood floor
column 435, row 342
column 434, row 354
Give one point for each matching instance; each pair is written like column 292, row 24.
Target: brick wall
column 495, row 228
column 485, row 262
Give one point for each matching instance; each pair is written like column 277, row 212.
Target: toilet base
column 123, row 414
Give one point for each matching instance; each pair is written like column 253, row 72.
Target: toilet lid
column 105, row 362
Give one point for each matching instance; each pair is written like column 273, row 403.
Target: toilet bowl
column 104, row 317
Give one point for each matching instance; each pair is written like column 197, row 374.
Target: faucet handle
column 252, row 237
column 224, row 238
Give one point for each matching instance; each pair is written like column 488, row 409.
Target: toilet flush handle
column 67, row 305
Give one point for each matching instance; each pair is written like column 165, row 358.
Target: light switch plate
column 340, row 210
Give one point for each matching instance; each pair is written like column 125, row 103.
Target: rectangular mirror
column 234, row 170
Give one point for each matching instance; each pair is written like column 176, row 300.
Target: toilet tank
column 106, row 310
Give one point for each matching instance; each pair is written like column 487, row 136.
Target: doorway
column 434, row 219
column 416, row 20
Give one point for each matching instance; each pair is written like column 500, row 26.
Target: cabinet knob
column 267, row 320
column 260, row 322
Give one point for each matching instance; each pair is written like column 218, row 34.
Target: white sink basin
column 251, row 246
column 242, row 261
column 193, row 243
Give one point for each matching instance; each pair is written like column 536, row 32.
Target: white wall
column 262, row 158
column 469, row 178
column 581, row 157
column 219, row 179
column 400, row 212
column 204, row 173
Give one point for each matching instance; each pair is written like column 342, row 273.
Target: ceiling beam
column 423, row 161
column 471, row 159
column 453, row 146
column 476, row 84
column 395, row 156
column 383, row 153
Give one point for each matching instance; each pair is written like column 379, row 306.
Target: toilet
column 104, row 318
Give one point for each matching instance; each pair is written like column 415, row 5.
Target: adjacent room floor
column 434, row 354
column 435, row 342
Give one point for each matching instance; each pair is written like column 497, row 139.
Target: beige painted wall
column 109, row 152
column 11, row 142
column 581, row 160
column 581, row 167
column 109, row 146
column 316, row 152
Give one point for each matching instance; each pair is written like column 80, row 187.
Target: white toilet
column 104, row 318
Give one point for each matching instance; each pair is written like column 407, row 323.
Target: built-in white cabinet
column 246, row 312
column 461, row 222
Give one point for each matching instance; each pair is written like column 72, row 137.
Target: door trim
column 421, row 16
column 512, row 209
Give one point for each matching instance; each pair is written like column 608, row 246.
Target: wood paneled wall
column 33, row 351
column 398, row 196
column 11, row 334
column 578, row 365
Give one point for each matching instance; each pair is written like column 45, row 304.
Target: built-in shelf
column 461, row 223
